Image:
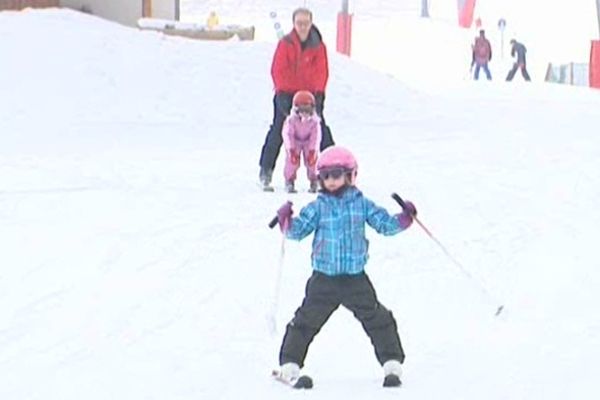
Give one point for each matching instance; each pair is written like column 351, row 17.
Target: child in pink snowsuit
column 301, row 137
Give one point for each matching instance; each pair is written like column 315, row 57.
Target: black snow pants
column 515, row 68
column 282, row 105
column 324, row 294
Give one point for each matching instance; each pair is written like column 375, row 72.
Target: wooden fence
column 20, row 4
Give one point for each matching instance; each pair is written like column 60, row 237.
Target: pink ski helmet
column 337, row 157
column 304, row 101
column 303, row 98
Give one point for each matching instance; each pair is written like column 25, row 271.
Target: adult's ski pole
column 466, row 273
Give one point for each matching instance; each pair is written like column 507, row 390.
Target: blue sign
column 501, row 24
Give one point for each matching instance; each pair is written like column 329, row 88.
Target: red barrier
column 466, row 9
column 595, row 64
column 344, row 33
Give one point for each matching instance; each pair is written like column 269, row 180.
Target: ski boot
column 289, row 374
column 265, row 179
column 392, row 371
column 314, row 186
column 289, row 187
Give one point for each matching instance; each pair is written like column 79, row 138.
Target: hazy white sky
column 562, row 27
column 563, row 14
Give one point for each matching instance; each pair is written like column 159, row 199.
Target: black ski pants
column 324, row 294
column 282, row 105
column 513, row 71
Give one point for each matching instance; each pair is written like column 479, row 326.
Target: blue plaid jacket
column 339, row 246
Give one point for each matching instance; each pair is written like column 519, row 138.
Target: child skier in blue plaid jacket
column 339, row 255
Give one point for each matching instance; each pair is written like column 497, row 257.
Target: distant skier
column 339, row 254
column 301, row 137
column 518, row 50
column 213, row 20
column 482, row 55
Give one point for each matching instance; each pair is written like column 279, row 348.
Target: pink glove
column 405, row 218
column 284, row 216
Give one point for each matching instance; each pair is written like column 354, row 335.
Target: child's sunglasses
column 334, row 173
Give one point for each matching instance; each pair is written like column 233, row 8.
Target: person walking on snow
column 519, row 50
column 482, row 55
column 339, row 253
column 299, row 63
column 301, row 137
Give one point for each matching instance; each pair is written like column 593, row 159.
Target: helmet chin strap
column 353, row 177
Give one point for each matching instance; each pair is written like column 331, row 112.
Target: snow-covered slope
column 135, row 261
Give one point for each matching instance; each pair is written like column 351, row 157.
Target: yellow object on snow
column 213, row 20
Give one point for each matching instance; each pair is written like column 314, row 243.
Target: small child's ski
column 303, row 382
column 266, row 187
column 271, row 189
column 392, row 381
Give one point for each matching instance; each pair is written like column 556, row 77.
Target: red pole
column 466, row 9
column 344, row 30
column 595, row 64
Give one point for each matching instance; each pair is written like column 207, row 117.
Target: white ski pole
column 272, row 316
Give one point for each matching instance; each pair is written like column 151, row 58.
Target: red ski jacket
column 296, row 68
column 482, row 50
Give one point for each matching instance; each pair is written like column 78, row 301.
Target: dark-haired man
column 518, row 50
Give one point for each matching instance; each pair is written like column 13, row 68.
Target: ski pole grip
column 399, row 200
column 274, row 222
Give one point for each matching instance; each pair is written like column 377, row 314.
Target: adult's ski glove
column 284, row 216
column 319, row 100
column 283, row 102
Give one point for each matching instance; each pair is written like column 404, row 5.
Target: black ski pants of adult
column 282, row 105
column 324, row 294
column 515, row 68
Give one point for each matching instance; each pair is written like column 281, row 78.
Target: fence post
column 571, row 74
column 425, row 8
column 598, row 14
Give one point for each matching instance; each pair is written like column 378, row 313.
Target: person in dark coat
column 299, row 63
column 518, row 50
column 482, row 55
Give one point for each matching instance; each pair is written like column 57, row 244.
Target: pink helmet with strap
column 337, row 157
column 303, row 98
column 304, row 102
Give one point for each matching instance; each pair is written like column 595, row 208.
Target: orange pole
column 147, row 8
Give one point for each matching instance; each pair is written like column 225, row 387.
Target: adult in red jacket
column 299, row 63
column 482, row 55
